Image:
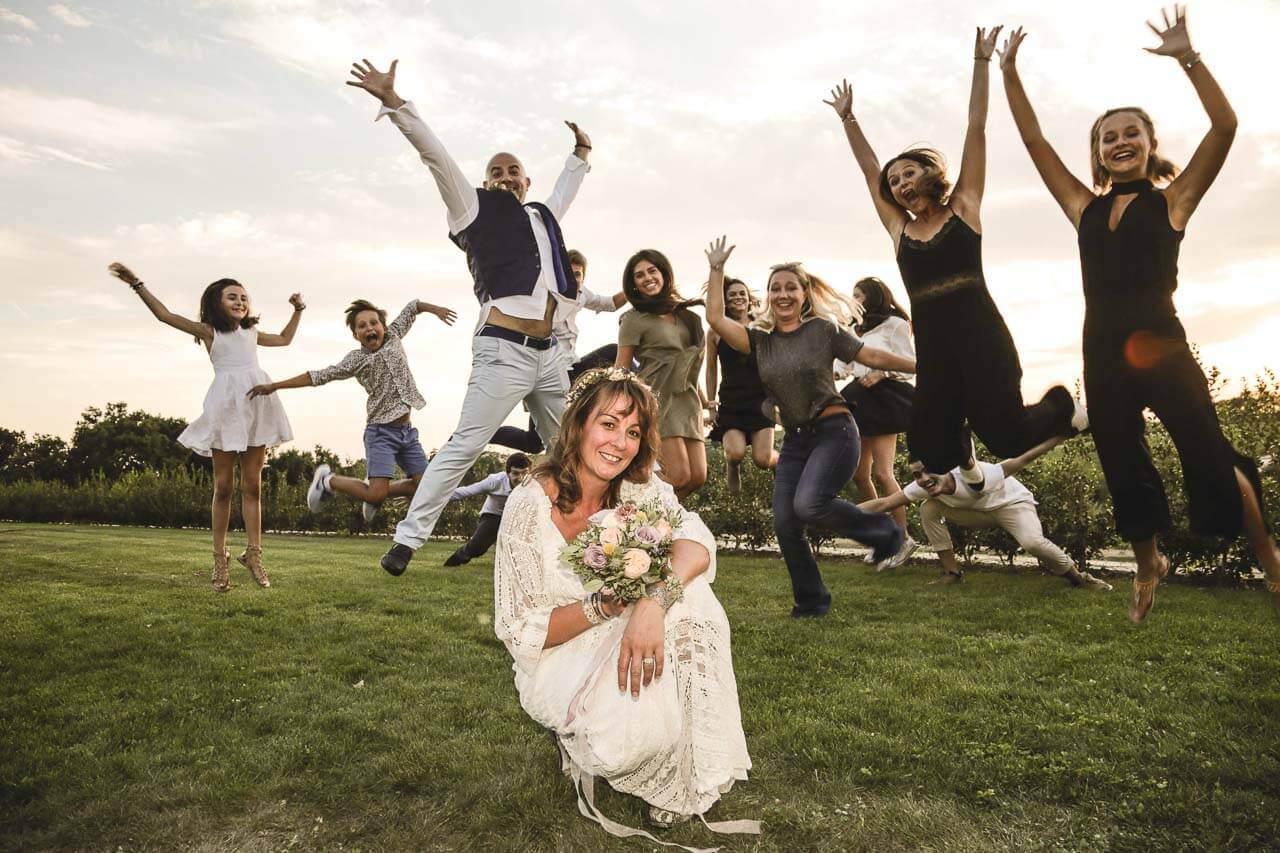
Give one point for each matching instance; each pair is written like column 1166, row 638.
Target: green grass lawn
column 345, row 709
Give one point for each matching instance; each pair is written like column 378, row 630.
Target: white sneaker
column 908, row 548
column 1079, row 418
column 318, row 493
column 370, row 510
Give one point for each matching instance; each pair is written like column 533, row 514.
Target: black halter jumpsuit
column 967, row 367
column 1136, row 357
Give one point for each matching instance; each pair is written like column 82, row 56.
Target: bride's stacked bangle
column 593, row 609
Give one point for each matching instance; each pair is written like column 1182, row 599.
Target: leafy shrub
column 1068, row 483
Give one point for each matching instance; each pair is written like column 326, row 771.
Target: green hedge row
column 1068, row 483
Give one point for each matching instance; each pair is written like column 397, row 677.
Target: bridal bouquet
column 625, row 550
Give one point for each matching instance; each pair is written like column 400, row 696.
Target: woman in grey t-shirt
column 801, row 333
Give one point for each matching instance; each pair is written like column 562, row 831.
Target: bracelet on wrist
column 137, row 285
column 666, row 592
column 1189, row 60
column 591, row 609
column 584, row 147
column 849, row 119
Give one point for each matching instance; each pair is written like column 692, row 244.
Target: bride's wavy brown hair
column 565, row 456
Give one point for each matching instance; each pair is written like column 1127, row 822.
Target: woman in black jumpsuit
column 1135, row 350
column 968, row 371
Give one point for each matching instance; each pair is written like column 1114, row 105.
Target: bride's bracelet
column 667, row 593
column 593, row 609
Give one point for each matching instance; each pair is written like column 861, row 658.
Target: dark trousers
column 1173, row 387
column 482, row 540
column 528, row 440
column 815, row 463
column 977, row 378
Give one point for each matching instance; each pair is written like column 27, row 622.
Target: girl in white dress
column 232, row 425
column 642, row 695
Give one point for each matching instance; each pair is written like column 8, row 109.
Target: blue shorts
column 387, row 444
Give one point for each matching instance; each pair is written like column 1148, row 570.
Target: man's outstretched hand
column 381, row 85
column 581, row 142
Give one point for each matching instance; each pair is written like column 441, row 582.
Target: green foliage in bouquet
column 624, row 550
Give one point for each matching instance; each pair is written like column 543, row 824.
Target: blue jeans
column 817, row 461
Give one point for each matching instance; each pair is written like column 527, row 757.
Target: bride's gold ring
column 653, row 661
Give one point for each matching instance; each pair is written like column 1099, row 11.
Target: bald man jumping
column 523, row 281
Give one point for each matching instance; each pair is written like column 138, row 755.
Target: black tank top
column 944, row 281
column 740, row 386
column 1129, row 274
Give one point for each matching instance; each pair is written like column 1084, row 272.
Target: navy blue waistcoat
column 502, row 252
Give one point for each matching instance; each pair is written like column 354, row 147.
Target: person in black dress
column 1135, row 349
column 740, row 407
column 968, row 368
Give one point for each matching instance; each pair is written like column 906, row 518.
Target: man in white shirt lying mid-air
column 998, row 500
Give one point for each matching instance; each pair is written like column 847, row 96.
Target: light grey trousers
column 503, row 374
column 1020, row 520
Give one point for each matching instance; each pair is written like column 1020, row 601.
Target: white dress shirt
column 892, row 335
column 463, row 205
column 496, row 488
column 997, row 490
column 566, row 327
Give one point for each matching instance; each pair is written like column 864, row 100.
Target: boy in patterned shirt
column 381, row 367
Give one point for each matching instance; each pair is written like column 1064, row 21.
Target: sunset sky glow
column 199, row 140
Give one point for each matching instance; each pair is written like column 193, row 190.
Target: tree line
column 125, row 466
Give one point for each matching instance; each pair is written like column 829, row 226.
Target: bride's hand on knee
column 640, row 659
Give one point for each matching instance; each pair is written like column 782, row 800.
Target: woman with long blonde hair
column 803, row 330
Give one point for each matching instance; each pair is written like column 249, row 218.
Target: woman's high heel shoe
column 1137, row 610
column 251, row 559
column 221, row 576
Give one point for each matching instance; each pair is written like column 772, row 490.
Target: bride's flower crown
column 602, row 374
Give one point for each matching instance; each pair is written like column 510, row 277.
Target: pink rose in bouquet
column 595, row 557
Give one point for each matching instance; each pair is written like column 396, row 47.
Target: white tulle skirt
column 233, row 422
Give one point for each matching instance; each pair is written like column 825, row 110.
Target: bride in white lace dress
column 644, row 695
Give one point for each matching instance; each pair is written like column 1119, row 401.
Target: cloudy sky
column 197, row 140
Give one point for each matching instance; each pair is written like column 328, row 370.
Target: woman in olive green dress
column 666, row 338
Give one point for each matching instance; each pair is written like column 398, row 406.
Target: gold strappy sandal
column 1138, row 613
column 221, row 575
column 251, row 559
